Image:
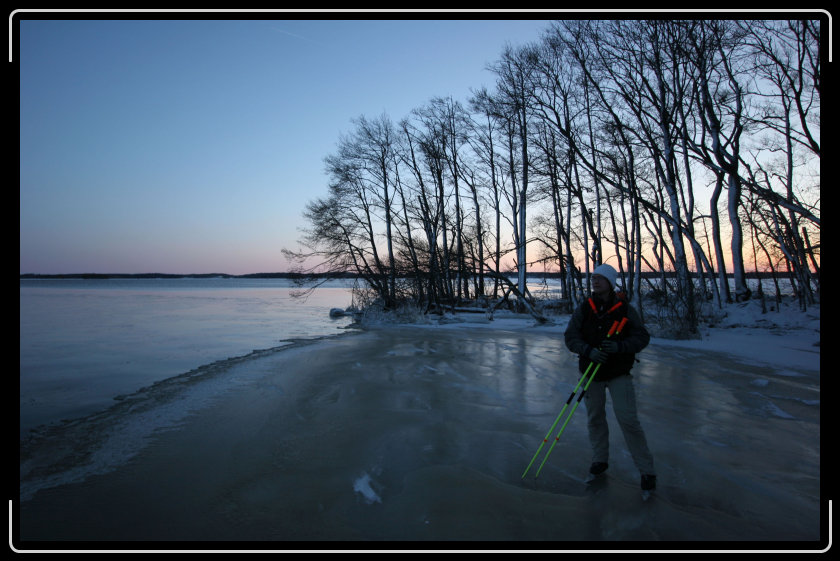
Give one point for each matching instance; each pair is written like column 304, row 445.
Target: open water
column 85, row 343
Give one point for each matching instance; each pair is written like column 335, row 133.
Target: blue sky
column 193, row 146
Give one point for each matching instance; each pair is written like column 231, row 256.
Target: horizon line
column 346, row 274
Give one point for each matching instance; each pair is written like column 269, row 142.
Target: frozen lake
column 420, row 434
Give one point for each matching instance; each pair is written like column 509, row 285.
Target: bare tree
column 785, row 54
column 514, row 71
column 485, row 130
column 597, row 140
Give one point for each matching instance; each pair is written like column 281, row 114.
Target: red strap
column 614, row 308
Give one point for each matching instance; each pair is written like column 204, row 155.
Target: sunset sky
column 192, row 146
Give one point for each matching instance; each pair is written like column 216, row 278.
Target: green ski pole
column 615, row 329
column 568, row 401
column 557, row 420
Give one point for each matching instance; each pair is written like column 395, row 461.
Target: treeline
column 684, row 146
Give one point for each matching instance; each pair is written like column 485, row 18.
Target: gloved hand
column 610, row 347
column 597, row 356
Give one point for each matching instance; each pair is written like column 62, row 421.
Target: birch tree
column 787, row 57
column 514, row 71
column 485, row 133
column 722, row 101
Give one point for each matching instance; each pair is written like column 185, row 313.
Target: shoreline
column 188, row 391
column 408, row 433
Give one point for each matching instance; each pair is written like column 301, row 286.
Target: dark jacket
column 588, row 328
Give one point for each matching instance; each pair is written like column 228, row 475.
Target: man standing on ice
column 586, row 336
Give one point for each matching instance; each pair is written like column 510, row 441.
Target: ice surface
column 422, row 433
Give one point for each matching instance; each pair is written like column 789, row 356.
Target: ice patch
column 362, row 486
column 772, row 409
column 777, row 411
column 75, row 450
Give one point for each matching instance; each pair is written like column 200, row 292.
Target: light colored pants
column 623, row 397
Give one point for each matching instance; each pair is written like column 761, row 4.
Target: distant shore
column 180, row 276
column 530, row 275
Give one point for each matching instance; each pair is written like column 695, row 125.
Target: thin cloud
column 295, row 35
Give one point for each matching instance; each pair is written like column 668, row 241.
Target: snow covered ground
column 404, row 436
column 779, row 337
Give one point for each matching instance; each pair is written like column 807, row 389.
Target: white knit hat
column 607, row 272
